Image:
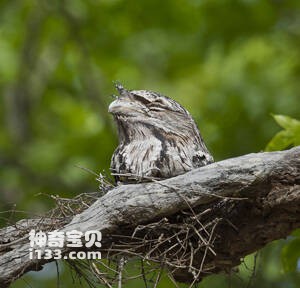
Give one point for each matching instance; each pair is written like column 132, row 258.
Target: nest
column 175, row 246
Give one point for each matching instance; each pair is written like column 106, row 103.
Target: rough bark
column 270, row 182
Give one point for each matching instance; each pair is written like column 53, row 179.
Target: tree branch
column 267, row 207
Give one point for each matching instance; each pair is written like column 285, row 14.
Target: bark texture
column 269, row 184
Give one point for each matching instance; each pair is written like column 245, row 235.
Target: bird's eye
column 158, row 105
column 158, row 101
column 141, row 99
column 156, row 108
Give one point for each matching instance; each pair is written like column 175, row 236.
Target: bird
column 158, row 138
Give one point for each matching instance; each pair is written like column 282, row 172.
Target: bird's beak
column 115, row 106
column 123, row 106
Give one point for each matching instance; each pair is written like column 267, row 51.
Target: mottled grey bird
column 158, row 138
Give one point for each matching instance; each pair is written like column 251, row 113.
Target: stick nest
column 180, row 244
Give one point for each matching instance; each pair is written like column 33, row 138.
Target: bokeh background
column 231, row 63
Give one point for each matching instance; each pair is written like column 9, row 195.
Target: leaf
column 280, row 141
column 286, row 122
column 290, row 136
column 290, row 255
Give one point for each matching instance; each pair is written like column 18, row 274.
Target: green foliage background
column 231, row 63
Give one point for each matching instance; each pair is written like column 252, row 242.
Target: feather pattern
column 158, row 138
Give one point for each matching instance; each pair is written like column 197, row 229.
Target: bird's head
column 139, row 110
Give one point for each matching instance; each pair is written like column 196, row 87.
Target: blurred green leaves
column 290, row 255
column 229, row 62
column 289, row 136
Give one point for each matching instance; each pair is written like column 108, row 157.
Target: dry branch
column 254, row 198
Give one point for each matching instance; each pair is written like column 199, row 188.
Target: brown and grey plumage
column 158, row 138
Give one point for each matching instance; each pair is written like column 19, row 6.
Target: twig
column 120, row 270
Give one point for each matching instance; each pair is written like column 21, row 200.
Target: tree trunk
column 249, row 201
